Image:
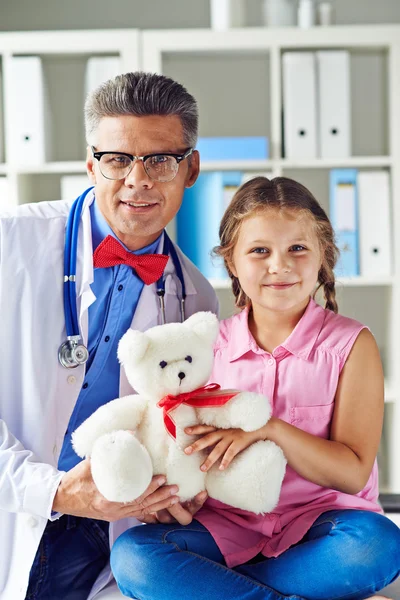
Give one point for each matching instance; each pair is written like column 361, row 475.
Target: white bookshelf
column 183, row 54
column 64, row 55
column 223, row 284
column 256, row 110
column 353, row 162
column 71, row 166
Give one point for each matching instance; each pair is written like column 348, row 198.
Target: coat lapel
column 85, row 295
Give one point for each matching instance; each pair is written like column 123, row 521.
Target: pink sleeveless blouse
column 300, row 378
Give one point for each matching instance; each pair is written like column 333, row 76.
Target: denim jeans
column 71, row 554
column 347, row 554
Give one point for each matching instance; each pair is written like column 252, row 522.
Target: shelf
column 335, row 163
column 76, row 166
column 220, row 284
column 224, row 284
column 237, row 165
column 73, row 166
column 360, row 281
column 318, row 163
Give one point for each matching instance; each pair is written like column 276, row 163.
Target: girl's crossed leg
column 347, row 554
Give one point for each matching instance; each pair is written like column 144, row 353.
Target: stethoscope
column 73, row 352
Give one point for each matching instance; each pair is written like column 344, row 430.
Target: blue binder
column 199, row 218
column 233, row 148
column 344, row 218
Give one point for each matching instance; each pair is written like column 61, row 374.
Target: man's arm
column 26, row 485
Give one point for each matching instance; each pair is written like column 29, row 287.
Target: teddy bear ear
column 132, row 346
column 205, row 325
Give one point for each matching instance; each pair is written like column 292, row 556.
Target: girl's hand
column 227, row 443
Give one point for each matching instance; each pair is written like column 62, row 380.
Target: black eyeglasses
column 159, row 167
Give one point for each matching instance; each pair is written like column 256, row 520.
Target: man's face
column 156, row 203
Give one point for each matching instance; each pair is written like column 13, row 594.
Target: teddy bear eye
column 163, row 364
column 189, row 359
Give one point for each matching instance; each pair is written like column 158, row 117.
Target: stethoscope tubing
column 70, row 260
column 70, row 263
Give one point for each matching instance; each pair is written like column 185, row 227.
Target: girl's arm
column 344, row 462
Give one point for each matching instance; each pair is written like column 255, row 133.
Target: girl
column 327, row 537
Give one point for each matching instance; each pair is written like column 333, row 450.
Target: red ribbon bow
column 110, row 252
column 208, row 395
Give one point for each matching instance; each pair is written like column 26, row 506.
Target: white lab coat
column 37, row 395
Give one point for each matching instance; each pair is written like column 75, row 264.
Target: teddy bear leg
column 252, row 481
column 121, row 466
column 184, row 471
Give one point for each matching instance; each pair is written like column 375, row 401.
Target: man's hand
column 78, row 495
column 182, row 513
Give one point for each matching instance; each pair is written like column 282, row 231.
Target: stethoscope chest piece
column 71, row 354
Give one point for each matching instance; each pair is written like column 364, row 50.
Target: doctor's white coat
column 37, row 395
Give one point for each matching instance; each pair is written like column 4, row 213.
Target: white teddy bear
column 164, row 364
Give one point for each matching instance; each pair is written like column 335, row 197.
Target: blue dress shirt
column 117, row 290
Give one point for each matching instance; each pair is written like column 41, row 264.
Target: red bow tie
column 110, row 252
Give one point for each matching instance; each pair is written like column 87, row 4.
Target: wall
column 152, row 14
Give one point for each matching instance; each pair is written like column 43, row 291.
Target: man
column 141, row 131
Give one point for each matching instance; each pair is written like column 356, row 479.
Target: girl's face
column 276, row 259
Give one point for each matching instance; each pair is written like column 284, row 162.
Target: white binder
column 299, row 105
column 333, row 69
column 72, row 186
column 5, row 197
column 1, row 121
column 226, row 14
column 375, row 223
column 28, row 112
column 99, row 69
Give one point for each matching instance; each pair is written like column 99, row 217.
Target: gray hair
column 141, row 94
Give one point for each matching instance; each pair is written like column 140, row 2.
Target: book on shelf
column 1, row 121
column 99, row 69
column 72, row 186
column 5, row 200
column 375, row 223
column 316, row 104
column 29, row 114
column 199, row 217
column 334, row 126
column 344, row 218
column 233, row 148
column 299, row 105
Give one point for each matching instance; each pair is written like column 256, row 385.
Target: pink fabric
column 300, row 377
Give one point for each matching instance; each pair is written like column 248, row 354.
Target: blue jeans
column 71, row 554
column 347, row 554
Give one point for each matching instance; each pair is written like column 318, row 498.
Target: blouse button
column 271, row 361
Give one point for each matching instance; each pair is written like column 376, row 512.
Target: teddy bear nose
column 181, row 375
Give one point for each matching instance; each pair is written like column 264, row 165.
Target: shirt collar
column 299, row 343
column 101, row 229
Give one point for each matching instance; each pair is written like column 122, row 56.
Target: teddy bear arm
column 247, row 410
column 120, row 414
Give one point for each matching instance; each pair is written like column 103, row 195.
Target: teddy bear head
column 170, row 359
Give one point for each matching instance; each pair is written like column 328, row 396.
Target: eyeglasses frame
column 178, row 157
